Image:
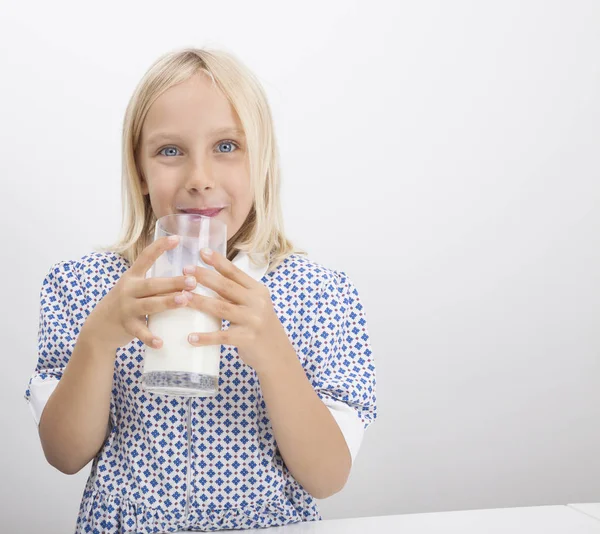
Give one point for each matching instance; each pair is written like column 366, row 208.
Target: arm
column 338, row 369
column 74, row 423
column 309, row 439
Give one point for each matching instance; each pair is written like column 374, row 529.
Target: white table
column 529, row 520
column 591, row 508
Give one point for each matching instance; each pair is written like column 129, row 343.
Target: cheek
column 161, row 191
column 159, row 186
column 243, row 200
column 238, row 188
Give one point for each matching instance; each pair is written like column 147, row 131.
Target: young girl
column 297, row 377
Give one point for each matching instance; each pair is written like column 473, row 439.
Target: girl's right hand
column 121, row 315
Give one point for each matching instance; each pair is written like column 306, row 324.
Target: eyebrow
column 218, row 131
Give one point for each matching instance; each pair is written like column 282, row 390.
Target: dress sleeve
column 339, row 362
column 63, row 311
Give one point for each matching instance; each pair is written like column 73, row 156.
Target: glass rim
column 213, row 220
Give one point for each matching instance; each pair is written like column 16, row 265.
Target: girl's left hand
column 246, row 303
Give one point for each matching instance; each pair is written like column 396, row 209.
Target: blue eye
column 231, row 144
column 168, row 148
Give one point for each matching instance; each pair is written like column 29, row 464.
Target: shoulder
column 300, row 272
column 90, row 271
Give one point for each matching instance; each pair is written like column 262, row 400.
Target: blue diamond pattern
column 237, row 478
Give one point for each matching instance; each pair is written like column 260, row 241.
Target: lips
column 208, row 212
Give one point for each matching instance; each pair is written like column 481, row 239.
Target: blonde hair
column 262, row 231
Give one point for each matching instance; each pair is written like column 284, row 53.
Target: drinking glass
column 177, row 367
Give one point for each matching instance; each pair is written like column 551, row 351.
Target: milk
column 184, row 369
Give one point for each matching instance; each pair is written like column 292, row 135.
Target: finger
column 152, row 305
column 162, row 285
column 224, row 287
column 219, row 308
column 223, row 337
column 140, row 330
column 150, row 254
column 228, row 269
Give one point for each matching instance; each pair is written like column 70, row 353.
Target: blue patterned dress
column 175, row 463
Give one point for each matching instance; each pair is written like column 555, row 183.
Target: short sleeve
column 339, row 362
column 62, row 313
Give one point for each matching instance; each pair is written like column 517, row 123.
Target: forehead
column 193, row 107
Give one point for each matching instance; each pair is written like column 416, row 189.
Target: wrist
column 93, row 340
column 278, row 364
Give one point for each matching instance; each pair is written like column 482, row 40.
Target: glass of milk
column 177, row 367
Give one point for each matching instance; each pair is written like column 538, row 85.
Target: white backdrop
column 444, row 154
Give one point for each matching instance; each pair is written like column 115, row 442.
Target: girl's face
column 193, row 154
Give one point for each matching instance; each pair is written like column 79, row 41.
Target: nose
column 200, row 176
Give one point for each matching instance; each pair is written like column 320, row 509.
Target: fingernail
column 193, row 338
column 189, row 269
column 173, row 239
column 190, row 281
column 188, row 295
column 207, row 252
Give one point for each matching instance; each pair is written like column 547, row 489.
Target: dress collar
column 242, row 262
